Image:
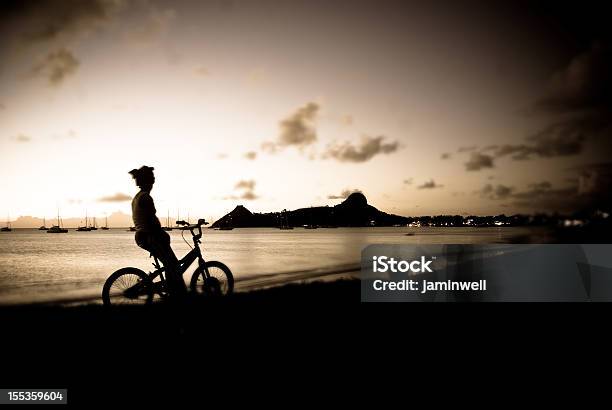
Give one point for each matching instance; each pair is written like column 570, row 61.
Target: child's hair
column 143, row 175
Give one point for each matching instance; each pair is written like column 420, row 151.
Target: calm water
column 37, row 266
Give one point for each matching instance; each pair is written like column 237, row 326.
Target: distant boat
column 57, row 228
column 44, row 225
column 310, row 227
column 7, row 228
column 167, row 227
column 105, row 227
column 225, row 228
column 84, row 228
column 94, row 227
column 178, row 218
column 132, row 229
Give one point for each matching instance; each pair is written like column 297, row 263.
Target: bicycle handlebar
column 200, row 223
column 188, row 227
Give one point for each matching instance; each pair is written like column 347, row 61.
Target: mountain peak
column 356, row 199
column 240, row 210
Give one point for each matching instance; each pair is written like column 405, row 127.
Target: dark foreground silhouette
column 197, row 315
column 163, row 352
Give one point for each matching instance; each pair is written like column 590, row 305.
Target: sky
column 427, row 107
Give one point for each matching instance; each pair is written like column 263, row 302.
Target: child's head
column 143, row 176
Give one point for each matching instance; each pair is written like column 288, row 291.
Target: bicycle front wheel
column 127, row 286
column 218, row 282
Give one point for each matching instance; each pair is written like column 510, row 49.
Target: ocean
column 36, row 266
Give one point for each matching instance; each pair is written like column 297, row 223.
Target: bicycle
column 134, row 286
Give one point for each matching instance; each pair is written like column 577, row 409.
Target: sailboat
column 94, row 227
column 167, row 227
column 105, row 227
column 85, row 228
column 7, row 228
column 44, row 225
column 178, row 218
column 57, row 228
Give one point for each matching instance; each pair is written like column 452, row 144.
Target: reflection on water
column 37, row 266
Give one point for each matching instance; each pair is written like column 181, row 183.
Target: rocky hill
column 352, row 212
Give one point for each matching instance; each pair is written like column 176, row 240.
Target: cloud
column 245, row 184
column 22, row 138
column 247, row 187
column 445, row 155
column 496, row 192
column 594, row 181
column 251, row 155
column 366, row 150
column 118, row 197
column 581, row 95
column 57, row 66
column 249, row 196
column 557, row 140
column 408, row 181
column 45, row 20
column 296, row 130
column 541, row 185
column 431, row 184
column 479, row 161
column 467, row 149
column 541, row 197
column 578, row 100
column 560, row 139
column 549, row 199
column 344, row 194
column 584, row 83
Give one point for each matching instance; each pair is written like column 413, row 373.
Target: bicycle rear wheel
column 218, row 282
column 127, row 286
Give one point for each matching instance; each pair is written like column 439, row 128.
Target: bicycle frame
column 184, row 263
